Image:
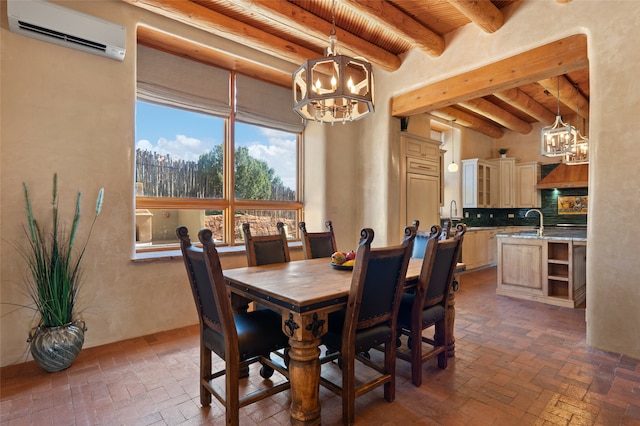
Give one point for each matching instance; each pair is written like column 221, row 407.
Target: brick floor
column 517, row 363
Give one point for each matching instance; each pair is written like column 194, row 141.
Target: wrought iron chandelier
column 335, row 88
column 557, row 140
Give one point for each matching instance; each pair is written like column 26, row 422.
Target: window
column 203, row 159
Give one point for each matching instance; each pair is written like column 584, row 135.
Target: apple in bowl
column 338, row 258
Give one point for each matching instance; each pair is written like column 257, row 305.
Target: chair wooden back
column 208, row 288
column 266, row 249
column 376, row 285
column 317, row 244
column 438, row 268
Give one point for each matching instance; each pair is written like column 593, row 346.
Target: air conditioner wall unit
column 56, row 24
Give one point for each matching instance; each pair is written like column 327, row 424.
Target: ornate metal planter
column 55, row 348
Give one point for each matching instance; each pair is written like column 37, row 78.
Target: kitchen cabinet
column 479, row 248
column 542, row 269
column 479, row 183
column 421, row 180
column 418, row 147
column 506, row 172
column 422, row 200
column 527, row 176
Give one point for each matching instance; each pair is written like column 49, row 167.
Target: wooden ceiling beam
column 481, row 12
column 526, row 104
column 569, row 95
column 200, row 17
column 559, row 57
column 394, row 20
column 493, row 112
column 317, row 30
column 468, row 120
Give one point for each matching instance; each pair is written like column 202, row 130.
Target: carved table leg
column 451, row 317
column 304, row 375
column 304, row 366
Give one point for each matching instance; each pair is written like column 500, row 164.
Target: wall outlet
column 491, row 215
column 478, row 215
column 510, row 216
column 466, row 215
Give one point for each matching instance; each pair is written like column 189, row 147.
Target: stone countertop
column 497, row 228
column 549, row 234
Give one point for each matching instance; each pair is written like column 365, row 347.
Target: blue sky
column 187, row 135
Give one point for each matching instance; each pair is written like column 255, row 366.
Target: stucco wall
column 70, row 112
column 73, row 113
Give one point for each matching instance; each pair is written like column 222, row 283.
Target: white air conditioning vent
column 55, row 24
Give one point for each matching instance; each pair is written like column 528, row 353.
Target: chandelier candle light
column 558, row 139
column 335, row 88
column 580, row 152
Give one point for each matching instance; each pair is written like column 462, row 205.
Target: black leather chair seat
column 429, row 315
column 365, row 338
column 259, row 333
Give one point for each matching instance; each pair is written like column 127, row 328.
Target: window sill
column 177, row 254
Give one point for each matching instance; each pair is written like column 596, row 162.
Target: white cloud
column 280, row 155
column 181, row 147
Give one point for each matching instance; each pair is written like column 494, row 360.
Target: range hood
column 564, row 176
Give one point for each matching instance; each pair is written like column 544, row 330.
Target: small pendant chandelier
column 335, row 88
column 453, row 167
column 580, row 151
column 557, row 140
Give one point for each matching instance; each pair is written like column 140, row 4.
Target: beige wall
column 70, row 112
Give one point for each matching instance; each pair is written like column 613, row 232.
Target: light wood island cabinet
column 549, row 269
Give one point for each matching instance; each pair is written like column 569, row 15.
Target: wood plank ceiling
column 382, row 31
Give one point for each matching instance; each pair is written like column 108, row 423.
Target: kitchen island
column 548, row 268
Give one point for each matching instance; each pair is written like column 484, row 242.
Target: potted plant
column 503, row 152
column 53, row 259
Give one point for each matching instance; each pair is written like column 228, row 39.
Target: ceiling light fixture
column 335, row 88
column 580, row 151
column 557, row 140
column 453, row 167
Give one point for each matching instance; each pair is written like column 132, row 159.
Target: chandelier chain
column 333, row 17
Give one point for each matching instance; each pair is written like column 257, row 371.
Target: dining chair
column 239, row 340
column 266, row 249
column 369, row 320
column 318, row 244
column 427, row 305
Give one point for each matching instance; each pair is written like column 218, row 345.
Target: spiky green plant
column 54, row 266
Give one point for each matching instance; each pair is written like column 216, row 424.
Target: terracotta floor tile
column 517, row 363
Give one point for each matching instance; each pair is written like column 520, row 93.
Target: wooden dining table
column 304, row 292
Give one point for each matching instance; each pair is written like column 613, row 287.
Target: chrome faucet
column 451, row 208
column 541, row 230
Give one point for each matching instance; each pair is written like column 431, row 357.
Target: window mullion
column 229, row 158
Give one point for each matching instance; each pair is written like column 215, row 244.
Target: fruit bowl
column 341, row 267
